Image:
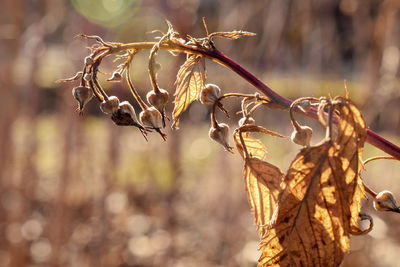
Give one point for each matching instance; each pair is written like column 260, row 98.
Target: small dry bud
column 246, row 120
column 83, row 95
column 151, row 117
column 220, row 135
column 110, row 105
column 115, row 77
column 89, row 60
column 127, row 108
column 158, row 99
column 87, row 77
column 302, row 136
column 209, row 94
column 385, row 201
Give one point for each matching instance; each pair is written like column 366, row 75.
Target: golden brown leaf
column 189, row 82
column 310, row 228
column 263, row 185
column 351, row 137
column 262, row 179
column 319, row 207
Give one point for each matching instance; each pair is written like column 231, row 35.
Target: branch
column 277, row 101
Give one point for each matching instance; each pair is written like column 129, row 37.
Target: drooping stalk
column 277, row 101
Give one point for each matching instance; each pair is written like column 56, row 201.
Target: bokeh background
column 80, row 191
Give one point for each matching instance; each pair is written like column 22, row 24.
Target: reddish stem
column 284, row 103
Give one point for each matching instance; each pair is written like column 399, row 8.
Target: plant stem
column 277, row 101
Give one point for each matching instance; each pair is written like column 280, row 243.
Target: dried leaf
column 351, row 137
column 319, row 207
column 263, row 185
column 262, row 179
column 189, row 82
column 232, row 34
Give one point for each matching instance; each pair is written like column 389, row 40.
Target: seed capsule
column 89, row 61
column 126, row 107
column 385, row 201
column 220, row 135
column 83, row 95
column 209, row 94
column 158, row 99
column 151, row 117
column 115, row 77
column 87, row 77
column 302, row 136
column 110, row 105
column 246, row 120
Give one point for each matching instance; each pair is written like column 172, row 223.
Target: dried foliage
column 189, row 82
column 305, row 218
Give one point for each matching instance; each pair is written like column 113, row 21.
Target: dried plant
column 304, row 217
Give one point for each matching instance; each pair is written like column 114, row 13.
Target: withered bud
column 83, row 95
column 127, row 108
column 151, row 117
column 209, row 94
column 115, row 77
column 302, row 136
column 246, row 120
column 385, row 201
column 110, row 105
column 220, row 135
column 88, row 60
column 158, row 99
column 87, row 77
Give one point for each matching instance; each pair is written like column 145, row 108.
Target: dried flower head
column 158, row 99
column 385, row 201
column 110, row 105
column 220, row 134
column 302, row 135
column 209, row 94
column 83, row 95
column 151, row 117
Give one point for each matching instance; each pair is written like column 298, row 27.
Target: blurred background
column 80, row 191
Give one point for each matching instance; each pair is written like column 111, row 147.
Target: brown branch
column 277, row 101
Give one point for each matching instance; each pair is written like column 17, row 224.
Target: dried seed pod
column 151, row 117
column 220, row 135
column 87, row 77
column 302, row 135
column 110, row 105
column 209, row 94
column 115, row 77
column 83, row 95
column 158, row 99
column 89, row 60
column 126, row 107
column 385, row 201
column 246, row 120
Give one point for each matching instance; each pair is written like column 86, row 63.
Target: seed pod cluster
column 209, row 94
